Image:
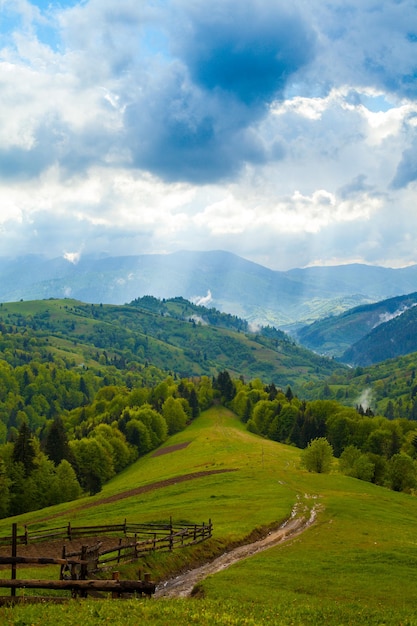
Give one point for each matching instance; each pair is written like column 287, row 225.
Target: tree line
column 65, row 432
column 368, row 447
column 79, row 449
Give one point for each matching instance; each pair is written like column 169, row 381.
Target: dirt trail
column 136, row 491
column 182, row 586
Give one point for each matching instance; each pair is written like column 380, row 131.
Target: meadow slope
column 356, row 564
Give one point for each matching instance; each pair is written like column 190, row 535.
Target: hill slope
column 394, row 338
column 336, row 334
column 174, row 336
column 355, row 565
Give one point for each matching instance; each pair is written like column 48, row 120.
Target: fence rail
column 75, row 567
column 135, row 530
column 138, row 539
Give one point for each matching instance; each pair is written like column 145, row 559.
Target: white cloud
column 72, row 257
column 121, row 133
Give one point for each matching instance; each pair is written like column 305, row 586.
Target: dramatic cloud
column 284, row 132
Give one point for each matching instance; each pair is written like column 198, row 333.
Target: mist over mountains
column 286, row 299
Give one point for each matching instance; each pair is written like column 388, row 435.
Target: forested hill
column 394, row 338
column 381, row 330
column 171, row 335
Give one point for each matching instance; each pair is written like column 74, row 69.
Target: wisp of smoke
column 365, row 399
column 202, row 300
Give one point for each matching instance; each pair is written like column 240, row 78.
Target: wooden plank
column 120, row 586
column 42, row 560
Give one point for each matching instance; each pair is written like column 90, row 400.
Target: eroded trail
column 182, row 586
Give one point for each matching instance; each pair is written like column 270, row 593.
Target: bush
column 318, row 456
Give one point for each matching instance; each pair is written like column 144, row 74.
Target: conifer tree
column 24, row 451
column 56, row 444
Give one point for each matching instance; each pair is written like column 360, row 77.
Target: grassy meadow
column 356, row 565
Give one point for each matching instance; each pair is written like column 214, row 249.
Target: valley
column 167, row 409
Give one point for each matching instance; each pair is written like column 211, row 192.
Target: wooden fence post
column 118, row 552
column 83, row 570
column 14, row 554
column 69, row 531
column 171, row 538
column 62, row 568
column 115, row 576
column 26, row 535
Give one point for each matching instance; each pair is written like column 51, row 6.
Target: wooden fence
column 76, row 568
column 152, row 536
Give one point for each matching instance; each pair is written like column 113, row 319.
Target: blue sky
column 283, row 132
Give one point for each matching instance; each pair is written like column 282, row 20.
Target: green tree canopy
column 318, row 456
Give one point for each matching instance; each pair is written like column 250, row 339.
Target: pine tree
column 195, row 407
column 4, row 491
column 56, row 444
column 24, row 451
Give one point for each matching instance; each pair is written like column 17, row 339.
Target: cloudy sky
column 284, row 131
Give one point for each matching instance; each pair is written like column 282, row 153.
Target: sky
column 284, row 132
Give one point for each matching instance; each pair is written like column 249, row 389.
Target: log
column 39, row 560
column 119, row 586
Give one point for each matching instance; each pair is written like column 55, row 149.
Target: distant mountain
column 394, row 338
column 366, row 334
column 219, row 279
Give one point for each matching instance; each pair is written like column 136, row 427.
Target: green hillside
column 388, row 388
column 354, row 565
column 173, row 336
column 375, row 328
column 396, row 337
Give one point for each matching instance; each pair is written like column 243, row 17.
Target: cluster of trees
column 84, row 446
column 369, row 447
column 40, row 390
column 67, row 430
column 391, row 387
column 398, row 472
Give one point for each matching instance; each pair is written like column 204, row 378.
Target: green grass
column 355, row 565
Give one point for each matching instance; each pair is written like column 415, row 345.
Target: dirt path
column 182, row 586
column 137, row 491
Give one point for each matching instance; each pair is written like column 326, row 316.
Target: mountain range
column 285, row 299
column 366, row 334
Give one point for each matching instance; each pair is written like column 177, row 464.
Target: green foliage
column 354, row 566
column 94, row 462
column 402, row 473
column 67, row 485
column 24, row 450
column 137, row 434
column 56, row 442
column 174, row 415
column 4, row 490
column 143, row 343
column 318, row 456
column 354, row 463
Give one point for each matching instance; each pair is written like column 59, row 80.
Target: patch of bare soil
column 168, row 449
column 143, row 489
column 183, row 585
column 54, row 548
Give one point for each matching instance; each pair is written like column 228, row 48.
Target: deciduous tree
column 318, row 456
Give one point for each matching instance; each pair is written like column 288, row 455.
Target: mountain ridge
column 286, row 299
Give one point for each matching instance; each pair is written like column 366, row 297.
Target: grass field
column 355, row 565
